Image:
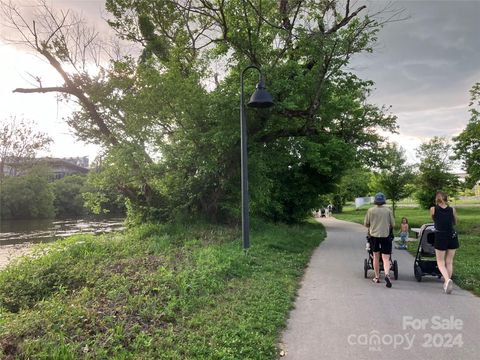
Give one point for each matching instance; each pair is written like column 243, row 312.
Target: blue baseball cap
column 379, row 199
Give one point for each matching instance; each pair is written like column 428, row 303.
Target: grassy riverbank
column 467, row 259
column 156, row 292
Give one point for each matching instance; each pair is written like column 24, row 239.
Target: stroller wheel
column 395, row 269
column 365, row 268
column 418, row 272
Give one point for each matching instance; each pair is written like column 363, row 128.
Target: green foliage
column 59, row 271
column 354, row 183
column 156, row 292
column 31, row 196
column 26, row 197
column 337, row 202
column 395, row 176
column 68, row 196
column 168, row 124
column 171, row 134
column 99, row 194
column 435, row 171
column 467, row 144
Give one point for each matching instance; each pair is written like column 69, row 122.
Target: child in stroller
column 368, row 262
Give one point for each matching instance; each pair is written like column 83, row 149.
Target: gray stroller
column 425, row 260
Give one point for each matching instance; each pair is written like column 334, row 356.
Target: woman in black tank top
column 443, row 218
column 445, row 242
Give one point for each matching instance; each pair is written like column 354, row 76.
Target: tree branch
column 345, row 20
column 61, row 89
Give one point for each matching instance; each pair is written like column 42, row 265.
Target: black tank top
column 443, row 219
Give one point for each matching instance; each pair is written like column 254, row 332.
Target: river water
column 45, row 230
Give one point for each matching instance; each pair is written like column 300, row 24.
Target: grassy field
column 467, row 259
column 464, row 201
column 156, row 292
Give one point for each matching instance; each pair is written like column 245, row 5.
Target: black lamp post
column 260, row 99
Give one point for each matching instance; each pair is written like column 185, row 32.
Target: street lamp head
column 261, row 98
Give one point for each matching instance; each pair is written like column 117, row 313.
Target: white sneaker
column 449, row 287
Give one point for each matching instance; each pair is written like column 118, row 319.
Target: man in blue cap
column 380, row 221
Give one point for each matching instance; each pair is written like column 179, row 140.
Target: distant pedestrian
column 380, row 221
column 330, row 209
column 446, row 240
column 322, row 212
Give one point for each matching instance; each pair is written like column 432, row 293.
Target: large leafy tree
column 107, row 114
column 169, row 120
column 395, row 176
column 467, row 143
column 435, row 171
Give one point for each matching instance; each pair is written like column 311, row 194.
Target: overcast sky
column 423, row 66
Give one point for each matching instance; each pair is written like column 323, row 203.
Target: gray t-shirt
column 379, row 220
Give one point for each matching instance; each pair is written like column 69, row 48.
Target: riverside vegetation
column 155, row 292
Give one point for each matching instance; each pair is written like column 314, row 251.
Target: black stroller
column 368, row 262
column 425, row 260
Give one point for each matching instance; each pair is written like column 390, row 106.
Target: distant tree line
column 32, row 196
column 398, row 180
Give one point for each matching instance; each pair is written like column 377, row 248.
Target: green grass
column 467, row 258
column 473, row 200
column 156, row 292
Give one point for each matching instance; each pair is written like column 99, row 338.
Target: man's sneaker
column 388, row 282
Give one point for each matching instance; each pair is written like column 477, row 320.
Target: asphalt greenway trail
column 339, row 314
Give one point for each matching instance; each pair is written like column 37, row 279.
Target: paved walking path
column 341, row 315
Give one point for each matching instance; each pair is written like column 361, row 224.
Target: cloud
column 434, row 122
column 424, row 67
column 425, row 60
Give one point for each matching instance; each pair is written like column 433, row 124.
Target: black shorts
column 383, row 245
column 445, row 241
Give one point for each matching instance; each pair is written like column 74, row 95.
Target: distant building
column 60, row 167
column 81, row 161
column 64, row 167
